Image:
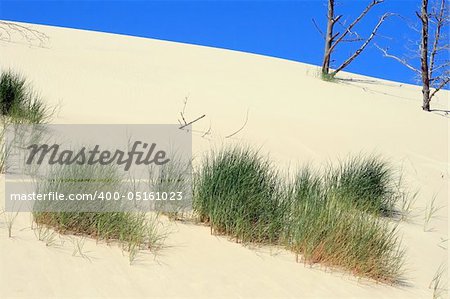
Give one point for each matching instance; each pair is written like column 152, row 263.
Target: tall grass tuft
column 326, row 228
column 133, row 230
column 366, row 181
column 19, row 102
column 237, row 193
column 332, row 219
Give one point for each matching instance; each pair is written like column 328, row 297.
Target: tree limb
column 443, row 83
column 242, row 127
column 191, row 122
column 29, row 34
column 363, row 46
column 444, row 65
column 317, row 27
column 356, row 21
column 437, row 36
column 358, row 39
column 402, row 61
column 335, row 20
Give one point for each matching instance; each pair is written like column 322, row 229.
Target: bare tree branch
column 402, row 61
column 363, row 46
column 191, row 122
column 439, row 25
column 332, row 40
column 183, row 111
column 358, row 39
column 433, row 72
column 317, row 27
column 443, row 48
column 356, row 21
column 444, row 65
column 242, row 127
column 443, row 83
column 336, row 19
column 354, row 33
column 29, row 34
column 184, row 123
column 207, row 132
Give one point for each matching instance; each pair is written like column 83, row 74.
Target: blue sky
column 277, row 28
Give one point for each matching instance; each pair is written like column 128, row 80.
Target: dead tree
column 10, row 30
column 428, row 64
column 434, row 71
column 332, row 39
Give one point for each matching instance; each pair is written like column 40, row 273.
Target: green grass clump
column 366, row 181
column 328, row 77
column 237, row 193
column 332, row 219
column 104, row 221
column 325, row 228
column 19, row 102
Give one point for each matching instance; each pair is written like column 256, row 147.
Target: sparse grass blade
column 438, row 284
column 431, row 211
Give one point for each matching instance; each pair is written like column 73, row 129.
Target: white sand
column 293, row 115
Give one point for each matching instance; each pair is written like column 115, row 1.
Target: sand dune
column 292, row 114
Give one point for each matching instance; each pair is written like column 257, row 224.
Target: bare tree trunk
column 434, row 73
column 328, row 38
column 333, row 39
column 424, row 57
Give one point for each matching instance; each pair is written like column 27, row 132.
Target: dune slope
column 290, row 113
